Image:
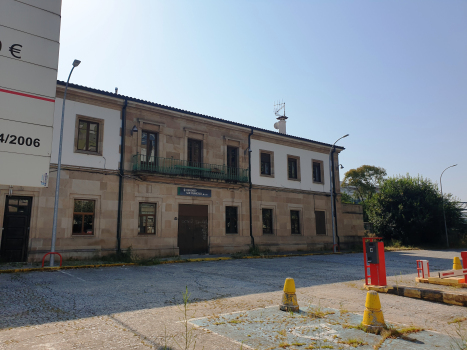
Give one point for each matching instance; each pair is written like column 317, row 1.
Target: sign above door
column 193, row 192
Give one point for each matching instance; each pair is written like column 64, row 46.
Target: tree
column 409, row 209
column 365, row 180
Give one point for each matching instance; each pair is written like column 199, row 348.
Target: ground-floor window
column 320, row 218
column 267, row 221
column 83, row 217
column 147, row 218
column 295, row 221
column 231, row 220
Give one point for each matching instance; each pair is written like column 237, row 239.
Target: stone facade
column 173, row 129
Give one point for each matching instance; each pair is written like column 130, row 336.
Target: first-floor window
column 88, row 136
column 265, row 164
column 295, row 221
column 83, row 217
column 267, row 221
column 147, row 218
column 317, row 172
column 231, row 220
column 320, row 218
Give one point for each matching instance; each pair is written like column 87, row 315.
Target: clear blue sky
column 392, row 74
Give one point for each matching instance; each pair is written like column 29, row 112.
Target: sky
column 392, row 74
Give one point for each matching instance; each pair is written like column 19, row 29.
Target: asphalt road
column 37, row 298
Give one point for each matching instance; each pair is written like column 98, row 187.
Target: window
column 318, row 175
column 195, row 150
column 232, row 160
column 295, row 221
column 267, row 221
column 148, row 147
column 83, row 217
column 147, row 218
column 320, row 218
column 88, row 136
column 293, row 167
column 232, row 157
column 231, row 220
column 265, row 164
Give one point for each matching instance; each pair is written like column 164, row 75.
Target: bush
column 410, row 210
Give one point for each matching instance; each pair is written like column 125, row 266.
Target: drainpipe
column 120, row 180
column 249, row 190
column 334, row 196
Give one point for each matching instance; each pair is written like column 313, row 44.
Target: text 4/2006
column 19, row 140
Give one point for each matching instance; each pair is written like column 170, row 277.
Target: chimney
column 280, row 125
column 116, row 90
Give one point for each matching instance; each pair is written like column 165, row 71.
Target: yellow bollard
column 373, row 316
column 289, row 298
column 456, row 264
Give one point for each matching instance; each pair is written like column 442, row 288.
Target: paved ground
column 138, row 307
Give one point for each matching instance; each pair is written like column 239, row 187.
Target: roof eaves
column 129, row 98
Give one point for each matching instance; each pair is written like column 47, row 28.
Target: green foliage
column 365, row 180
column 409, row 210
column 347, row 198
column 119, row 257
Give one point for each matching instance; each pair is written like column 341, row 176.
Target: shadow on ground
column 42, row 297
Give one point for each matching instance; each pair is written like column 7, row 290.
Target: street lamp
column 442, row 201
column 57, row 185
column 331, row 176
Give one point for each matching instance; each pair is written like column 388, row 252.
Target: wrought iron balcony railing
column 176, row 167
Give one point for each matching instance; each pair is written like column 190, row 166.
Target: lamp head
column 345, row 135
column 76, row 63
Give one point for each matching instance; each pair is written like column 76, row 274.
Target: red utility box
column 373, row 255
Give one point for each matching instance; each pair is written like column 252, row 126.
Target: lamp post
column 331, row 177
column 57, row 186
column 442, row 201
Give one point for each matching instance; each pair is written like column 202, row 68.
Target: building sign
column 194, row 192
column 29, row 46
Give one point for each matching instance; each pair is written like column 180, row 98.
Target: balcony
column 176, row 167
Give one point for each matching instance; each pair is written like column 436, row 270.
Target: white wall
column 280, row 178
column 111, row 143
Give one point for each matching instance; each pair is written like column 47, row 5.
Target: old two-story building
column 164, row 182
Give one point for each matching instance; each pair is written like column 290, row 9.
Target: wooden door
column 193, row 229
column 16, row 222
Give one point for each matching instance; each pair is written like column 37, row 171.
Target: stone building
column 173, row 182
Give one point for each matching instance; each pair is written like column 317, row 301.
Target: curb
column 424, row 294
column 163, row 262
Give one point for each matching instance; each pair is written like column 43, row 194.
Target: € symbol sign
column 14, row 51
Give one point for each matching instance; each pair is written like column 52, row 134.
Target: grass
column 353, row 342
column 387, row 332
column 458, row 320
column 252, row 251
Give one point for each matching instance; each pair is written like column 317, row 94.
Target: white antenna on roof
column 280, row 125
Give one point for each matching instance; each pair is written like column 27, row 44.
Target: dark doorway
column 195, row 151
column 16, row 223
column 232, row 161
column 193, row 229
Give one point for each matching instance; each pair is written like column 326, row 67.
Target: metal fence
column 177, row 167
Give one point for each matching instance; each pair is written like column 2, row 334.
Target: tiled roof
column 123, row 97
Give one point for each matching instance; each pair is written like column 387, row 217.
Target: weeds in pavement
column 353, row 342
column 459, row 341
column 188, row 338
column 458, row 320
column 252, row 251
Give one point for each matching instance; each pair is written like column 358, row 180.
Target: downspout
column 120, row 180
column 334, row 198
column 249, row 190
